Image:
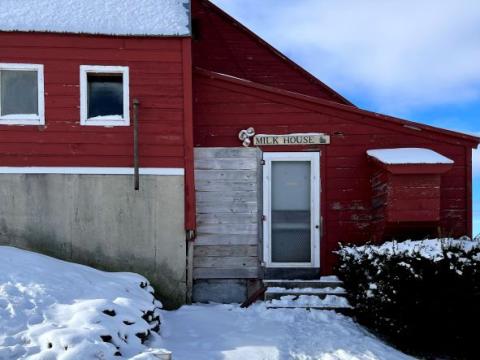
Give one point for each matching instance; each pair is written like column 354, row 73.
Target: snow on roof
column 408, row 156
column 108, row 17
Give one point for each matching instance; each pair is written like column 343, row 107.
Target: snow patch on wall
column 109, row 17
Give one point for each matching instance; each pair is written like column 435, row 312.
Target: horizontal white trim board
column 89, row 170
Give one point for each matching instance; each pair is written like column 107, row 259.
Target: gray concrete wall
column 99, row 220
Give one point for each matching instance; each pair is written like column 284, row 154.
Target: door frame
column 314, row 159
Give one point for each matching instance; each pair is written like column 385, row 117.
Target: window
column 21, row 94
column 104, row 96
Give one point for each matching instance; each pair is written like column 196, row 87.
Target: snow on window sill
column 109, row 120
column 22, row 119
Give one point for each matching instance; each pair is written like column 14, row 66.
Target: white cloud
column 400, row 54
column 476, row 163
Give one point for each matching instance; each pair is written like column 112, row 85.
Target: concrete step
column 325, row 293
column 348, row 311
column 323, row 282
column 277, row 292
column 328, row 302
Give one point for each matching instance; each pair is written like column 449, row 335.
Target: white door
column 291, row 209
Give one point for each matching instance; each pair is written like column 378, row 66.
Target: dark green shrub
column 424, row 296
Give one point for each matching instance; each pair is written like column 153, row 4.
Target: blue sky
column 418, row 60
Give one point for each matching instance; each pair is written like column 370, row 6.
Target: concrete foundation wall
column 99, row 220
column 225, row 291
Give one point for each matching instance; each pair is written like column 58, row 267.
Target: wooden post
column 136, row 174
column 190, row 247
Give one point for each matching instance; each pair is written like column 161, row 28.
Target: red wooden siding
column 406, row 200
column 156, row 78
column 223, row 45
column 405, row 204
column 223, row 107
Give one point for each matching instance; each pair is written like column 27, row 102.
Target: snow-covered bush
column 420, row 294
column 52, row 309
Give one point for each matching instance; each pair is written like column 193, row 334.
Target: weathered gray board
column 227, row 183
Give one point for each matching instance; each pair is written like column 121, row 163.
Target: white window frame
column 105, row 121
column 314, row 159
column 26, row 119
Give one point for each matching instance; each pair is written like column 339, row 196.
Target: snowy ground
column 51, row 309
column 226, row 332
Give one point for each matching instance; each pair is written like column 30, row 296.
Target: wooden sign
column 291, row 139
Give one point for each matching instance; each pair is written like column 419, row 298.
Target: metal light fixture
column 245, row 136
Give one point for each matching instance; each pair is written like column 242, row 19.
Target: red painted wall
column 223, row 45
column 157, row 67
column 406, row 205
column 224, row 107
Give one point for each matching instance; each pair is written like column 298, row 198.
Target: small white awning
column 407, row 156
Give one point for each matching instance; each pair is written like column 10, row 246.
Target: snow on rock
column 52, row 309
column 227, row 332
column 110, row 17
column 408, row 156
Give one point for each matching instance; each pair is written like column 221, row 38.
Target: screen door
column 291, row 209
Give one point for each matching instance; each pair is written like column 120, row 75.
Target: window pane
column 105, row 95
column 291, row 229
column 19, row 91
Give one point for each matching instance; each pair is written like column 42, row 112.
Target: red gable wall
column 223, row 45
column 157, row 70
column 224, row 107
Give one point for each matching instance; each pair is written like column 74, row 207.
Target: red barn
column 249, row 167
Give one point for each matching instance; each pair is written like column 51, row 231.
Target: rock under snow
column 52, row 309
column 110, row 17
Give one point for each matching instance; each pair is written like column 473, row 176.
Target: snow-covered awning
column 411, row 160
column 408, row 156
column 108, row 17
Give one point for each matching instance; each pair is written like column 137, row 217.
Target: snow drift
column 51, row 309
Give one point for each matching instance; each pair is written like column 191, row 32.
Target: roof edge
column 278, row 53
column 43, row 32
column 314, row 100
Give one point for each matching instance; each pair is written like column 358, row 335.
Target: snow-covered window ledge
column 104, row 95
column 22, row 97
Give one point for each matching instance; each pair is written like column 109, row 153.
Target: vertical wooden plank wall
column 227, row 198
